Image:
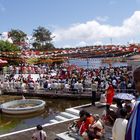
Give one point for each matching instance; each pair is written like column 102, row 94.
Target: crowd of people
column 75, row 79
column 68, row 78
column 92, row 126
column 124, row 120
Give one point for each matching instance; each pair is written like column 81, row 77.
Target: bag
column 103, row 98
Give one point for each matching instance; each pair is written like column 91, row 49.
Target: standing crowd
column 67, row 78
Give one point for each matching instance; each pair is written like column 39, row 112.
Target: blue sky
column 75, row 22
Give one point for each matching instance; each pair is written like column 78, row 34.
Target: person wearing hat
column 39, row 134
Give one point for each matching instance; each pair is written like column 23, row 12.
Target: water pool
column 11, row 123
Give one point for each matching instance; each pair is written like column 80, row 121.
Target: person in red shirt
column 85, row 120
column 109, row 95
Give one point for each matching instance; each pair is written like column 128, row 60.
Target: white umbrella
column 124, row 96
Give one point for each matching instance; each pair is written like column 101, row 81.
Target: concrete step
column 54, row 121
column 60, row 118
column 72, row 111
column 100, row 104
column 68, row 115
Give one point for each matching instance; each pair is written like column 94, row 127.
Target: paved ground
column 58, row 128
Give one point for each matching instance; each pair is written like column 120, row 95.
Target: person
column 95, row 130
column 109, row 95
column 119, row 127
column 133, row 127
column 129, row 111
column 81, row 125
column 85, row 120
column 109, row 116
column 46, row 85
column 119, row 103
column 39, row 134
column 94, row 90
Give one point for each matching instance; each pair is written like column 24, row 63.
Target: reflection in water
column 11, row 123
column 7, row 125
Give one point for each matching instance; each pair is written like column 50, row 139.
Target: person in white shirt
column 80, row 87
column 119, row 127
column 76, row 86
column 39, row 134
column 66, row 87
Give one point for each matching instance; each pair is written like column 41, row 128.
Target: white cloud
column 68, row 46
column 4, row 36
column 74, row 45
column 81, row 44
column 102, row 19
column 98, row 43
column 93, row 30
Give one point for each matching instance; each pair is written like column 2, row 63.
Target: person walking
column 94, row 90
column 39, row 134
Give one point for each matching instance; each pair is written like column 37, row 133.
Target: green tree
column 6, row 46
column 43, row 38
column 47, row 46
column 17, row 36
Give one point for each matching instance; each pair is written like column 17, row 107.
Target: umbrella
column 124, row 96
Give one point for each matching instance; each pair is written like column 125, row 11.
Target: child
column 39, row 134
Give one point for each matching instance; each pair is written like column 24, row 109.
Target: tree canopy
column 17, row 36
column 7, row 46
column 43, row 38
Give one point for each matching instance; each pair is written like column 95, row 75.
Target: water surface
column 11, row 123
